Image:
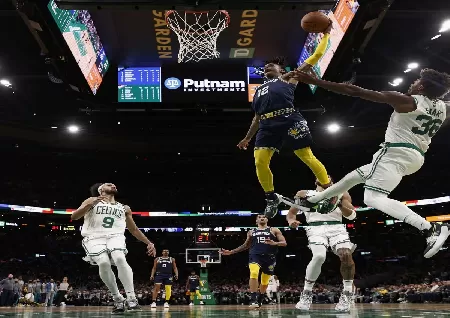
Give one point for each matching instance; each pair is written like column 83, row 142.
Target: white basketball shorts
column 334, row 236
column 95, row 246
column 389, row 165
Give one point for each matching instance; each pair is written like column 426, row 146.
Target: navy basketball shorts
column 163, row 279
column 193, row 289
column 266, row 262
column 291, row 131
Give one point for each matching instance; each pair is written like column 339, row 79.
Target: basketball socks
column 346, row 183
column 254, row 297
column 308, row 285
column 395, row 208
column 348, row 285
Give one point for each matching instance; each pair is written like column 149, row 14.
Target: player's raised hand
column 294, row 224
column 175, row 277
column 243, row 144
column 270, row 242
column 225, row 252
column 151, row 250
column 95, row 200
column 152, row 278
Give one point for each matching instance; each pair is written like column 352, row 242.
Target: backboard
column 196, row 255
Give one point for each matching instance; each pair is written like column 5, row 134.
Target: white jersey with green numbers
column 419, row 126
column 328, row 211
column 104, row 219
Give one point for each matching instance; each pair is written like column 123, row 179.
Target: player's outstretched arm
column 155, row 263
column 241, row 248
column 175, row 268
column 400, row 102
column 134, row 230
column 347, row 208
column 313, row 59
column 279, row 236
column 254, row 126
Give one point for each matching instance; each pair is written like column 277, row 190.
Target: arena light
column 333, row 128
column 436, row 37
column 413, row 65
column 54, row 127
column 5, row 82
column 445, row 26
column 73, row 129
column 397, row 81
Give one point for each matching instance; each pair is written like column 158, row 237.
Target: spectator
column 7, row 297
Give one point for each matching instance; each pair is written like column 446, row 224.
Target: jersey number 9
column 108, row 222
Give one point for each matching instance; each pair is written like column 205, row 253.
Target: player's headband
column 100, row 188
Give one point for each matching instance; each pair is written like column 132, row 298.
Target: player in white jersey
column 325, row 229
column 105, row 221
column 417, row 117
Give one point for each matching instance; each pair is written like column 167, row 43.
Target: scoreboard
column 139, row 84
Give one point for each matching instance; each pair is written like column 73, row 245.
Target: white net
column 197, row 33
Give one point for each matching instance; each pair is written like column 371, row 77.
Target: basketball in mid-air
column 315, row 22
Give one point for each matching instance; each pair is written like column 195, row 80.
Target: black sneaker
column 119, row 307
column 436, row 237
column 133, row 305
column 271, row 207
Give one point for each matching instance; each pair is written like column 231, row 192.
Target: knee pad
column 254, row 270
column 265, row 279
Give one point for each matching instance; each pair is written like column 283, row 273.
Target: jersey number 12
column 263, row 91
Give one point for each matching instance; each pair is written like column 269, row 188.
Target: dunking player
column 104, row 225
column 276, row 122
column 417, row 117
column 163, row 267
column 325, row 229
column 263, row 243
column 193, row 284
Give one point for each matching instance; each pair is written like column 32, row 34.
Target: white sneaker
column 191, row 304
column 153, row 305
column 345, row 301
column 305, row 300
column 166, row 305
column 437, row 236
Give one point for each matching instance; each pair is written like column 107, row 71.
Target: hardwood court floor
column 359, row 311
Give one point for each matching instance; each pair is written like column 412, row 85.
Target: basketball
column 315, row 22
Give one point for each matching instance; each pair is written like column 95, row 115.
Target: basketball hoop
column 197, row 33
column 203, row 263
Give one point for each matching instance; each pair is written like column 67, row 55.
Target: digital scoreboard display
column 139, row 84
column 80, row 34
column 202, row 238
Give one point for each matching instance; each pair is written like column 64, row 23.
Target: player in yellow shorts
column 277, row 122
column 263, row 243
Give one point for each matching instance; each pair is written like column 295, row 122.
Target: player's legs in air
column 295, row 134
column 383, row 175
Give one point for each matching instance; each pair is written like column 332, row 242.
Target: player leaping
column 417, row 117
column 276, row 121
column 325, row 229
column 104, row 225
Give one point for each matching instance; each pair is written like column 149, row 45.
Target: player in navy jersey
column 163, row 267
column 263, row 243
column 193, row 284
column 276, row 122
